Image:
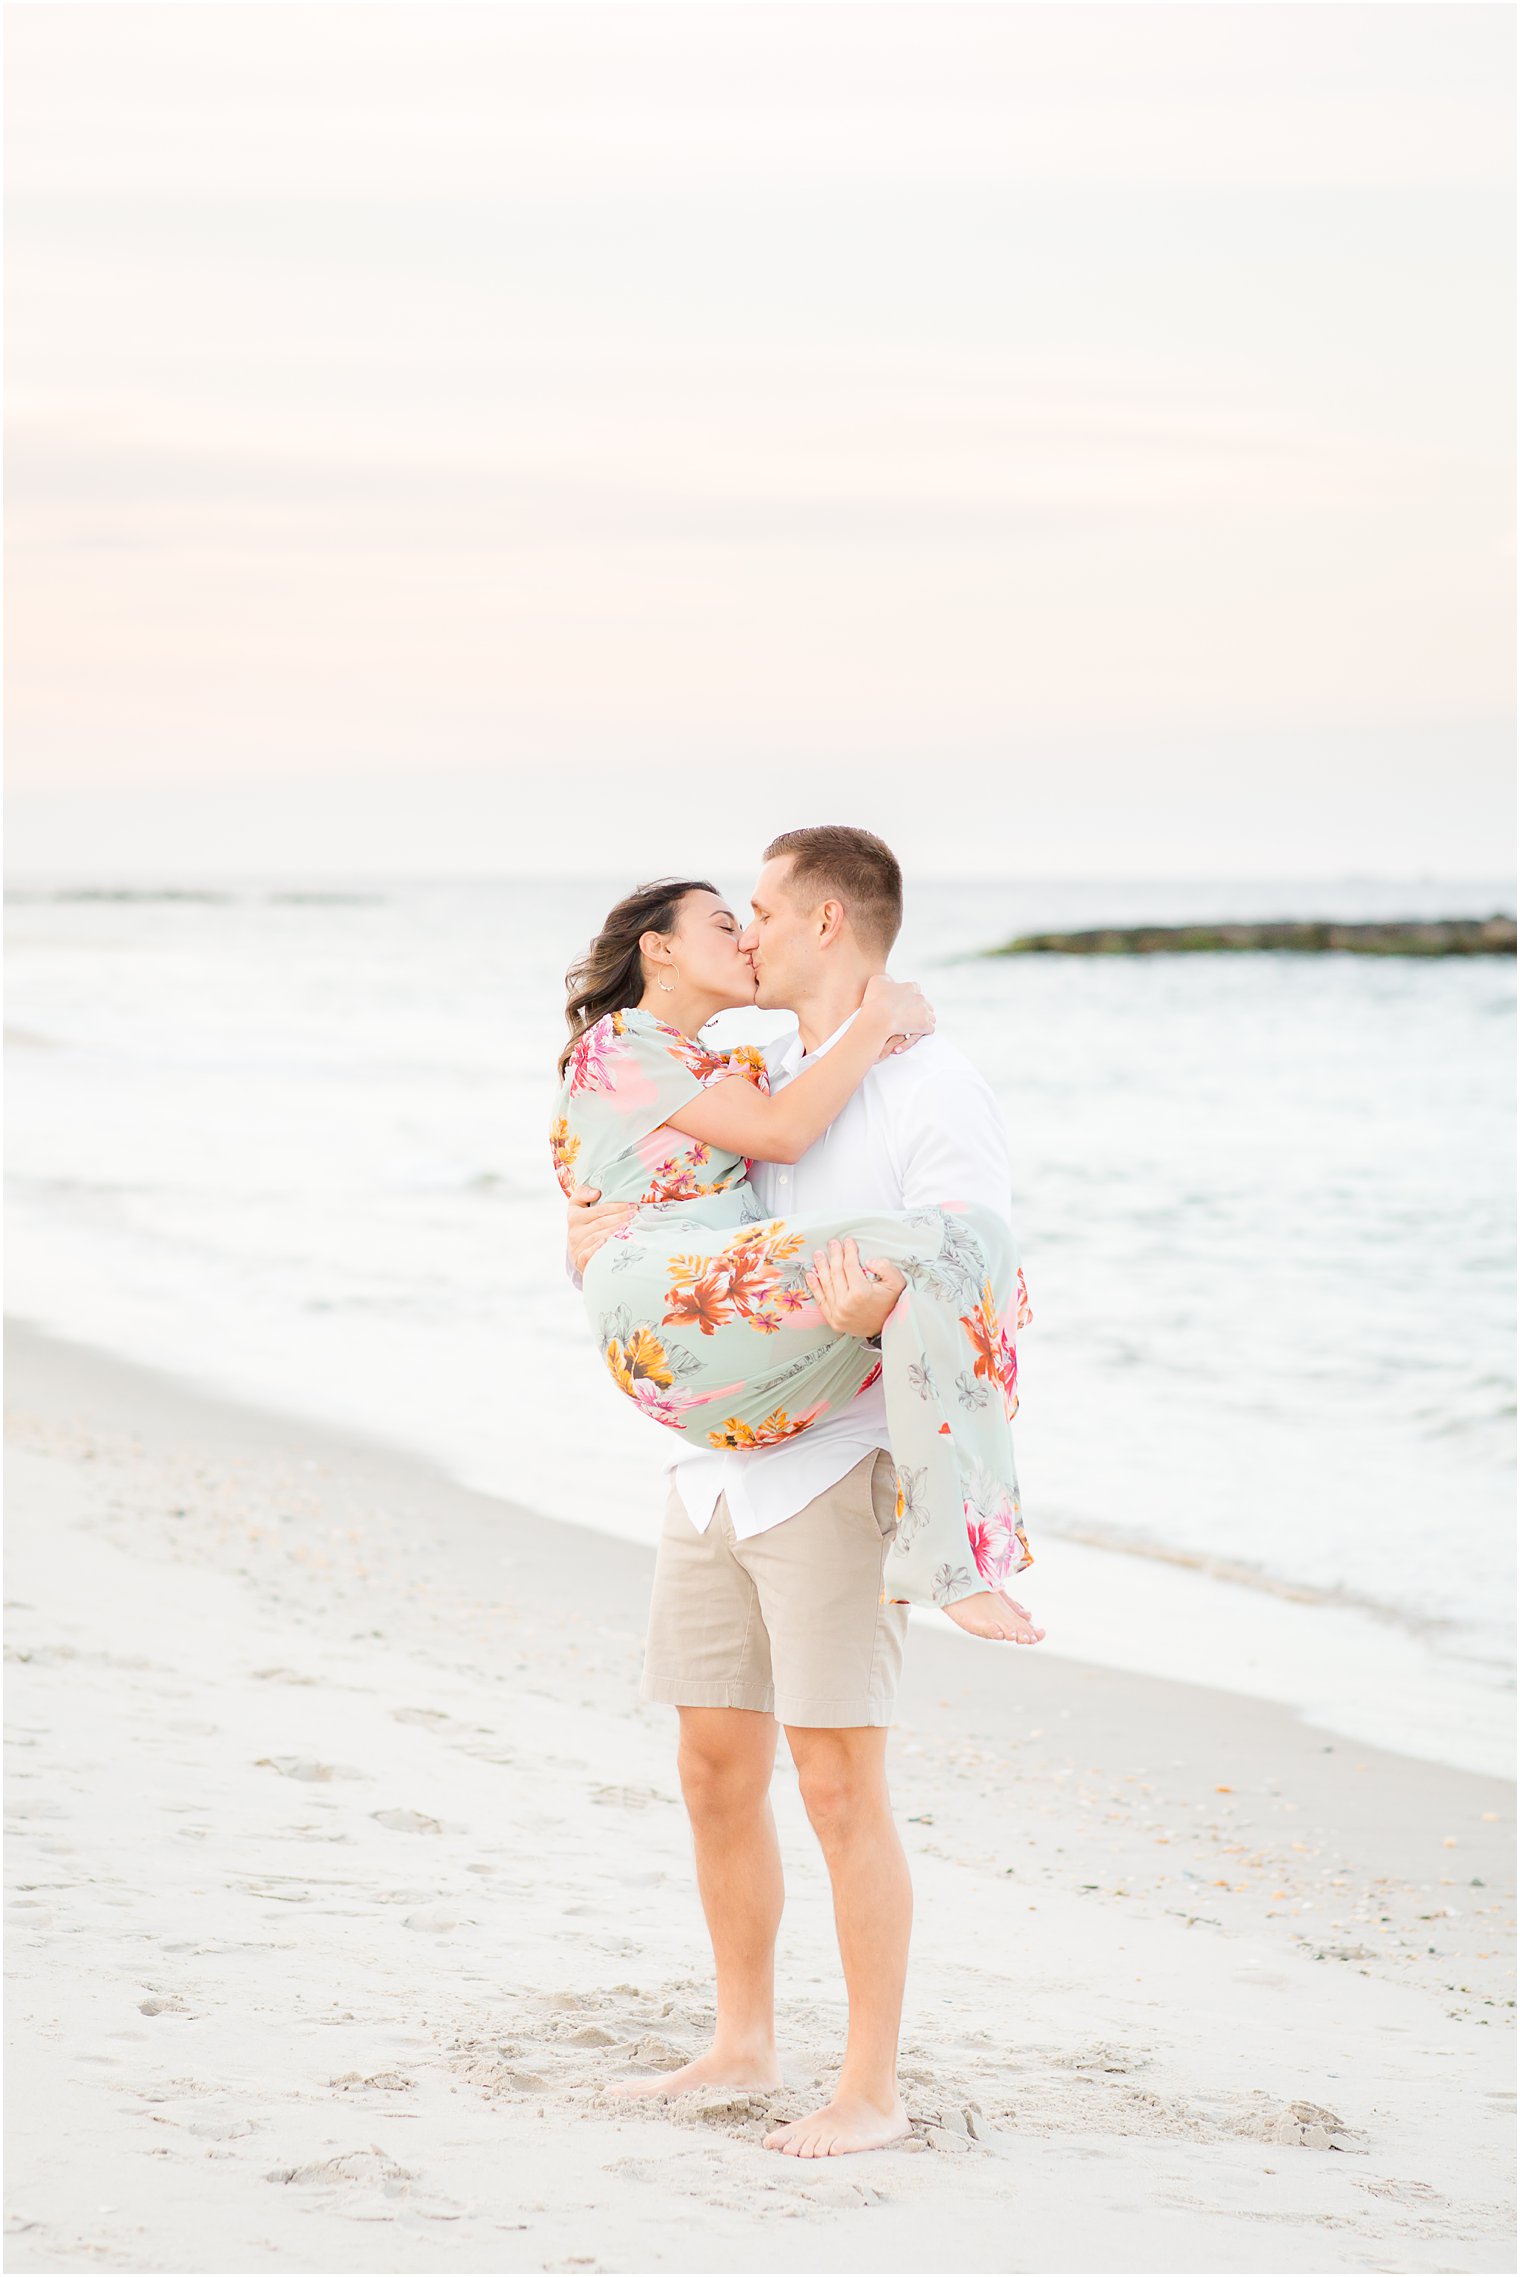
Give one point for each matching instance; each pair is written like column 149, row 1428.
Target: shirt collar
column 793, row 1056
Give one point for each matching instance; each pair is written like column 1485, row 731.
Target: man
column 767, row 1605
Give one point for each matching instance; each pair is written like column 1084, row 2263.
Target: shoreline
column 1355, row 1672
column 348, row 1869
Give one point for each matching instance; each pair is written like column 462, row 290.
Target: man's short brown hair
column 853, row 866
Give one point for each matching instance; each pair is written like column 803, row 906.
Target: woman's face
column 705, row 951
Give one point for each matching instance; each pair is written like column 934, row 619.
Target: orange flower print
column 777, row 1426
column 740, row 1281
column 752, row 1282
column 641, row 1368
column 703, row 1305
column 996, row 1360
column 716, row 1067
column 983, row 1329
column 564, row 1146
column 639, row 1357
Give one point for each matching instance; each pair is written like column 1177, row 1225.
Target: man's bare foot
column 709, row 2070
column 993, row 1613
column 848, row 2123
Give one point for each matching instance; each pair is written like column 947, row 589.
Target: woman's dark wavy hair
column 610, row 976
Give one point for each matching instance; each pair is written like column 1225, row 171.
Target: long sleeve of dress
column 956, row 1493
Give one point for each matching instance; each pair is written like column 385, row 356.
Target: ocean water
column 290, row 1141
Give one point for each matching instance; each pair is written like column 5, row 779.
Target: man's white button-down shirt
column 923, row 1127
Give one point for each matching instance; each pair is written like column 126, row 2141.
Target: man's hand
column 590, row 1222
column 854, row 1299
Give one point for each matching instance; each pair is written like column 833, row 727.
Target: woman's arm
column 733, row 1114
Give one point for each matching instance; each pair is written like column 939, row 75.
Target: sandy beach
column 347, row 1871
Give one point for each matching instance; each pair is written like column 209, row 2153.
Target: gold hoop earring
column 669, row 986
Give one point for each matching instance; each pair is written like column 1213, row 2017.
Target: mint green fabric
column 701, row 1310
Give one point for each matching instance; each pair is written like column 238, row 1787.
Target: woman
column 704, row 1307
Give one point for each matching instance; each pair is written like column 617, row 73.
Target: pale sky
column 1076, row 438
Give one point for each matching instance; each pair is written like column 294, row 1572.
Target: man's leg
column 842, row 1775
column 708, row 1656
column 836, row 1653
column 726, row 1758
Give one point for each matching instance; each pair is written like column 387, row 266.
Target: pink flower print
column 676, row 1175
column 993, row 1529
column 992, row 1544
column 661, row 1404
column 1008, row 1373
column 591, row 1059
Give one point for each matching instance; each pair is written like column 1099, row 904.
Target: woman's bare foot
column 993, row 1613
column 848, row 2123
column 713, row 2069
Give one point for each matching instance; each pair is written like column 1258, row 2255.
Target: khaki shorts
column 789, row 1622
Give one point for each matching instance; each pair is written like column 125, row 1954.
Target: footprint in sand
column 217, row 2127
column 653, row 2054
column 371, row 2165
column 173, row 2090
column 1406, row 2193
column 737, row 2113
column 305, row 1768
column 494, row 2077
column 630, row 1798
column 841, row 2192
column 718, row 2177
column 1100, row 2056
column 367, row 2185
column 1304, row 2126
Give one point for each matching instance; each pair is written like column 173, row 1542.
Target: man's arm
column 953, row 1147
column 953, row 1138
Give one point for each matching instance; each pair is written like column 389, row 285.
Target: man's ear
column 831, row 922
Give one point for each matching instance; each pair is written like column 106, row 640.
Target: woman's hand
column 901, row 1008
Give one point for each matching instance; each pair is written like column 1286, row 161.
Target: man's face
column 781, row 939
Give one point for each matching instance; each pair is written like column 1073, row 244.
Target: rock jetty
column 1438, row 937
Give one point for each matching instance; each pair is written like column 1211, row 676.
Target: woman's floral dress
column 701, row 1308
